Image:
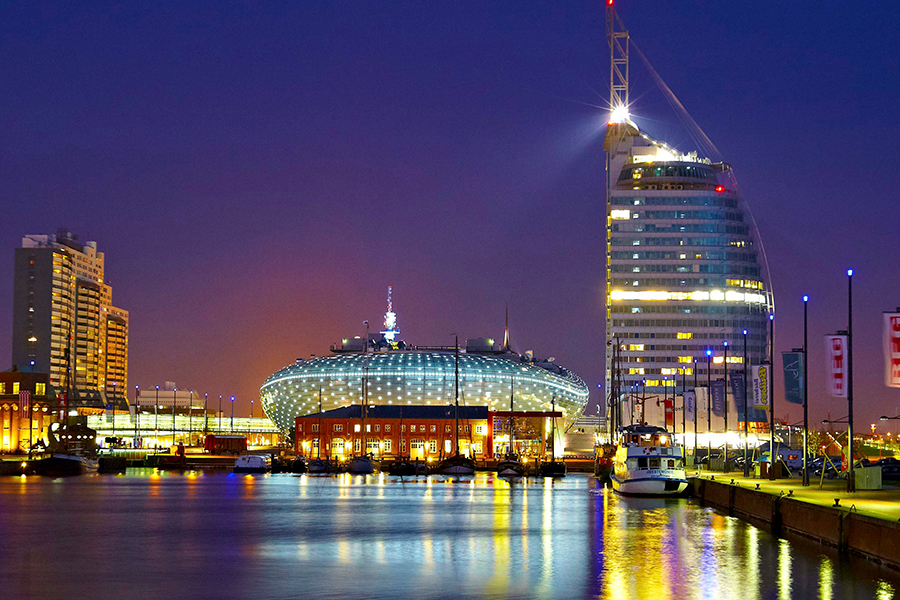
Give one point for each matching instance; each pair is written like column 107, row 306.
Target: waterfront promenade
column 880, row 504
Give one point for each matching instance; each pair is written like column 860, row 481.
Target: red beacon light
column 720, row 188
column 609, row 2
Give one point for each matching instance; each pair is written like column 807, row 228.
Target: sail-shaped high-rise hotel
column 684, row 266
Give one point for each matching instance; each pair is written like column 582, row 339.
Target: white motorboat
column 253, row 463
column 648, row 463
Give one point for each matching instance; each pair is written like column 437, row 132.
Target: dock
column 865, row 523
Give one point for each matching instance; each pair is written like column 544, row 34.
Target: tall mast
column 456, row 391
column 553, row 429
column 365, row 407
column 512, row 419
column 618, row 39
column 319, row 444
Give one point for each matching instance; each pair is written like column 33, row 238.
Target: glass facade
column 684, row 271
column 419, row 378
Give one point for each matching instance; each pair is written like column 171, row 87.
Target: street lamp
column 851, row 483
column 746, row 414
column 805, row 395
column 771, row 390
column 156, row 425
column 232, row 414
column 884, row 418
column 137, row 415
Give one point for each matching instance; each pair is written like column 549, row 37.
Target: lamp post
column 205, row 413
column 709, row 408
column 683, row 411
column 232, row 414
column 746, row 414
column 851, row 484
column 220, row 415
column 725, row 365
column 771, row 385
column 805, row 395
column 114, row 414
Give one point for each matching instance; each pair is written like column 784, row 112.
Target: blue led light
column 709, row 352
column 849, row 272
column 745, row 332
column 806, row 298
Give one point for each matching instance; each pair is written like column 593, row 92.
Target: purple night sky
column 258, row 174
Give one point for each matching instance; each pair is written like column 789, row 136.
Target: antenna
column 390, row 320
column 618, row 39
column 506, row 347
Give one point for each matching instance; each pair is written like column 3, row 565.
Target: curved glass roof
column 419, row 378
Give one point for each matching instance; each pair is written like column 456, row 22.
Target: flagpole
column 771, row 389
column 725, row 366
column 746, row 414
column 805, row 396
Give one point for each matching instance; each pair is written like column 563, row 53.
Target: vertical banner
column 690, row 406
column 793, row 376
column 718, row 397
column 737, row 394
column 24, row 404
column 836, row 351
column 762, row 386
column 109, row 412
column 702, row 400
column 670, row 412
column 892, row 349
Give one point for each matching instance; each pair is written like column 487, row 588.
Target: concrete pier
column 862, row 523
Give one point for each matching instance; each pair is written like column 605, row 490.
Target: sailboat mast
column 512, row 419
column 319, row 444
column 553, row 428
column 456, row 391
column 365, row 405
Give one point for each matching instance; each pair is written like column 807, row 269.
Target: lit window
column 387, row 445
column 421, row 428
column 356, row 445
column 447, row 446
column 40, row 389
column 636, row 347
column 432, row 446
column 479, row 429
column 685, row 336
column 402, row 445
column 387, row 428
column 315, row 427
column 446, row 428
column 15, row 387
column 356, row 428
column 377, row 428
column 620, row 214
column 338, row 427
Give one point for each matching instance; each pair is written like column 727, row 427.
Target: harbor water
column 219, row 535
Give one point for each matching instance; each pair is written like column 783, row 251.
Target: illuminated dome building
column 421, row 376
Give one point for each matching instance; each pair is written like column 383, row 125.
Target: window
column 402, row 446
column 356, row 445
column 315, row 427
column 315, row 444
column 446, row 428
column 40, row 389
column 368, row 427
column 467, row 429
column 432, row 446
column 479, row 429
column 15, row 387
column 403, row 428
column 642, row 462
column 421, row 428
column 476, row 448
column 338, row 427
column 433, row 428
column 387, row 445
column 377, row 428
column 2, row 387
column 654, row 463
column 356, row 428
column 387, row 428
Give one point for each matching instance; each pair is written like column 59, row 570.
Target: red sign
column 892, row 350
column 837, row 365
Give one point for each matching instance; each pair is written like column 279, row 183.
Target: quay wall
column 841, row 528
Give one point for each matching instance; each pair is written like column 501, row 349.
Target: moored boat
column 553, row 468
column 252, row 463
column 458, row 464
column 648, row 463
column 511, row 466
column 361, row 465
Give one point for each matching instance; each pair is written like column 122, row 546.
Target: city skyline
column 253, row 214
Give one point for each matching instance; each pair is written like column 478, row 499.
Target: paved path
column 883, row 504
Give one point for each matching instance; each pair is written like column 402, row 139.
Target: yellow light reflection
column 826, row 579
column 784, row 570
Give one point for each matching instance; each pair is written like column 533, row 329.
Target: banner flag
column 109, row 412
column 762, row 386
column 24, row 404
column 836, row 351
column 690, row 405
column 737, row 393
column 702, row 400
column 892, row 349
column 718, row 397
column 669, row 406
column 793, row 376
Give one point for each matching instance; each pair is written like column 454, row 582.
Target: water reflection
column 205, row 534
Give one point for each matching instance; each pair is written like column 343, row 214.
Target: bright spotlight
column 618, row 115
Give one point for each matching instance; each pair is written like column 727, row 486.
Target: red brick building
column 420, row 432
column 24, row 424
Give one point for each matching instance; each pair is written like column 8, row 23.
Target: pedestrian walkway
column 882, row 504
